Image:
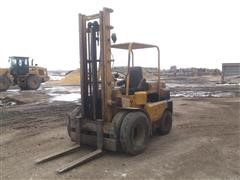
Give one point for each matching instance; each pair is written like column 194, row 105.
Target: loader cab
column 19, row 65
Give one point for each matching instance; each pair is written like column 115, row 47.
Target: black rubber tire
column 4, row 83
column 134, row 133
column 166, row 123
column 116, row 124
column 33, row 82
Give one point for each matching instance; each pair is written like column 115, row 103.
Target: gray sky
column 190, row 33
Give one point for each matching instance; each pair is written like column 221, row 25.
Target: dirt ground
column 204, row 142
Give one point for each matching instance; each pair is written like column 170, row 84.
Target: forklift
column 114, row 115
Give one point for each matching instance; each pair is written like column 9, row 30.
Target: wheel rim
column 34, row 83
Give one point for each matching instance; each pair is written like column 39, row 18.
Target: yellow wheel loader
column 21, row 73
column 114, row 115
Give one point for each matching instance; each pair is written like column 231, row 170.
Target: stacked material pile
column 71, row 78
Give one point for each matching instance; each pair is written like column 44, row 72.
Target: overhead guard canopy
column 133, row 45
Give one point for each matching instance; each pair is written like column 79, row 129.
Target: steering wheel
column 119, row 78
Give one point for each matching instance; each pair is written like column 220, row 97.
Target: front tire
column 33, row 82
column 4, row 83
column 134, row 133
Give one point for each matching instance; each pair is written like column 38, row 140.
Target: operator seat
column 136, row 81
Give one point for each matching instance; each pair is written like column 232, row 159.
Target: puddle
column 64, row 93
column 72, row 93
column 229, row 84
column 73, row 97
column 7, row 101
column 202, row 94
column 223, row 94
column 203, row 90
column 13, row 90
column 175, row 85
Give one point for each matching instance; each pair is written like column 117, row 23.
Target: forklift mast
column 96, row 95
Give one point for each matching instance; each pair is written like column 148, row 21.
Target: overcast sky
column 200, row 33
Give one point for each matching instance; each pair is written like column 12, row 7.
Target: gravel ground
column 203, row 144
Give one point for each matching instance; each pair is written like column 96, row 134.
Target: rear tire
column 33, row 82
column 134, row 133
column 166, row 123
column 4, row 83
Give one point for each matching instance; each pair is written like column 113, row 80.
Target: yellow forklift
column 115, row 115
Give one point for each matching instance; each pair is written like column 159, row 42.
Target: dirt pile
column 71, row 78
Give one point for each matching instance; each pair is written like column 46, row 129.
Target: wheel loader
column 114, row 115
column 21, row 73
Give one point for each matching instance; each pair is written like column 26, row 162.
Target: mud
column 203, row 86
column 205, row 91
column 203, row 144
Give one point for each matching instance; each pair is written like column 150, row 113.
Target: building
column 230, row 69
